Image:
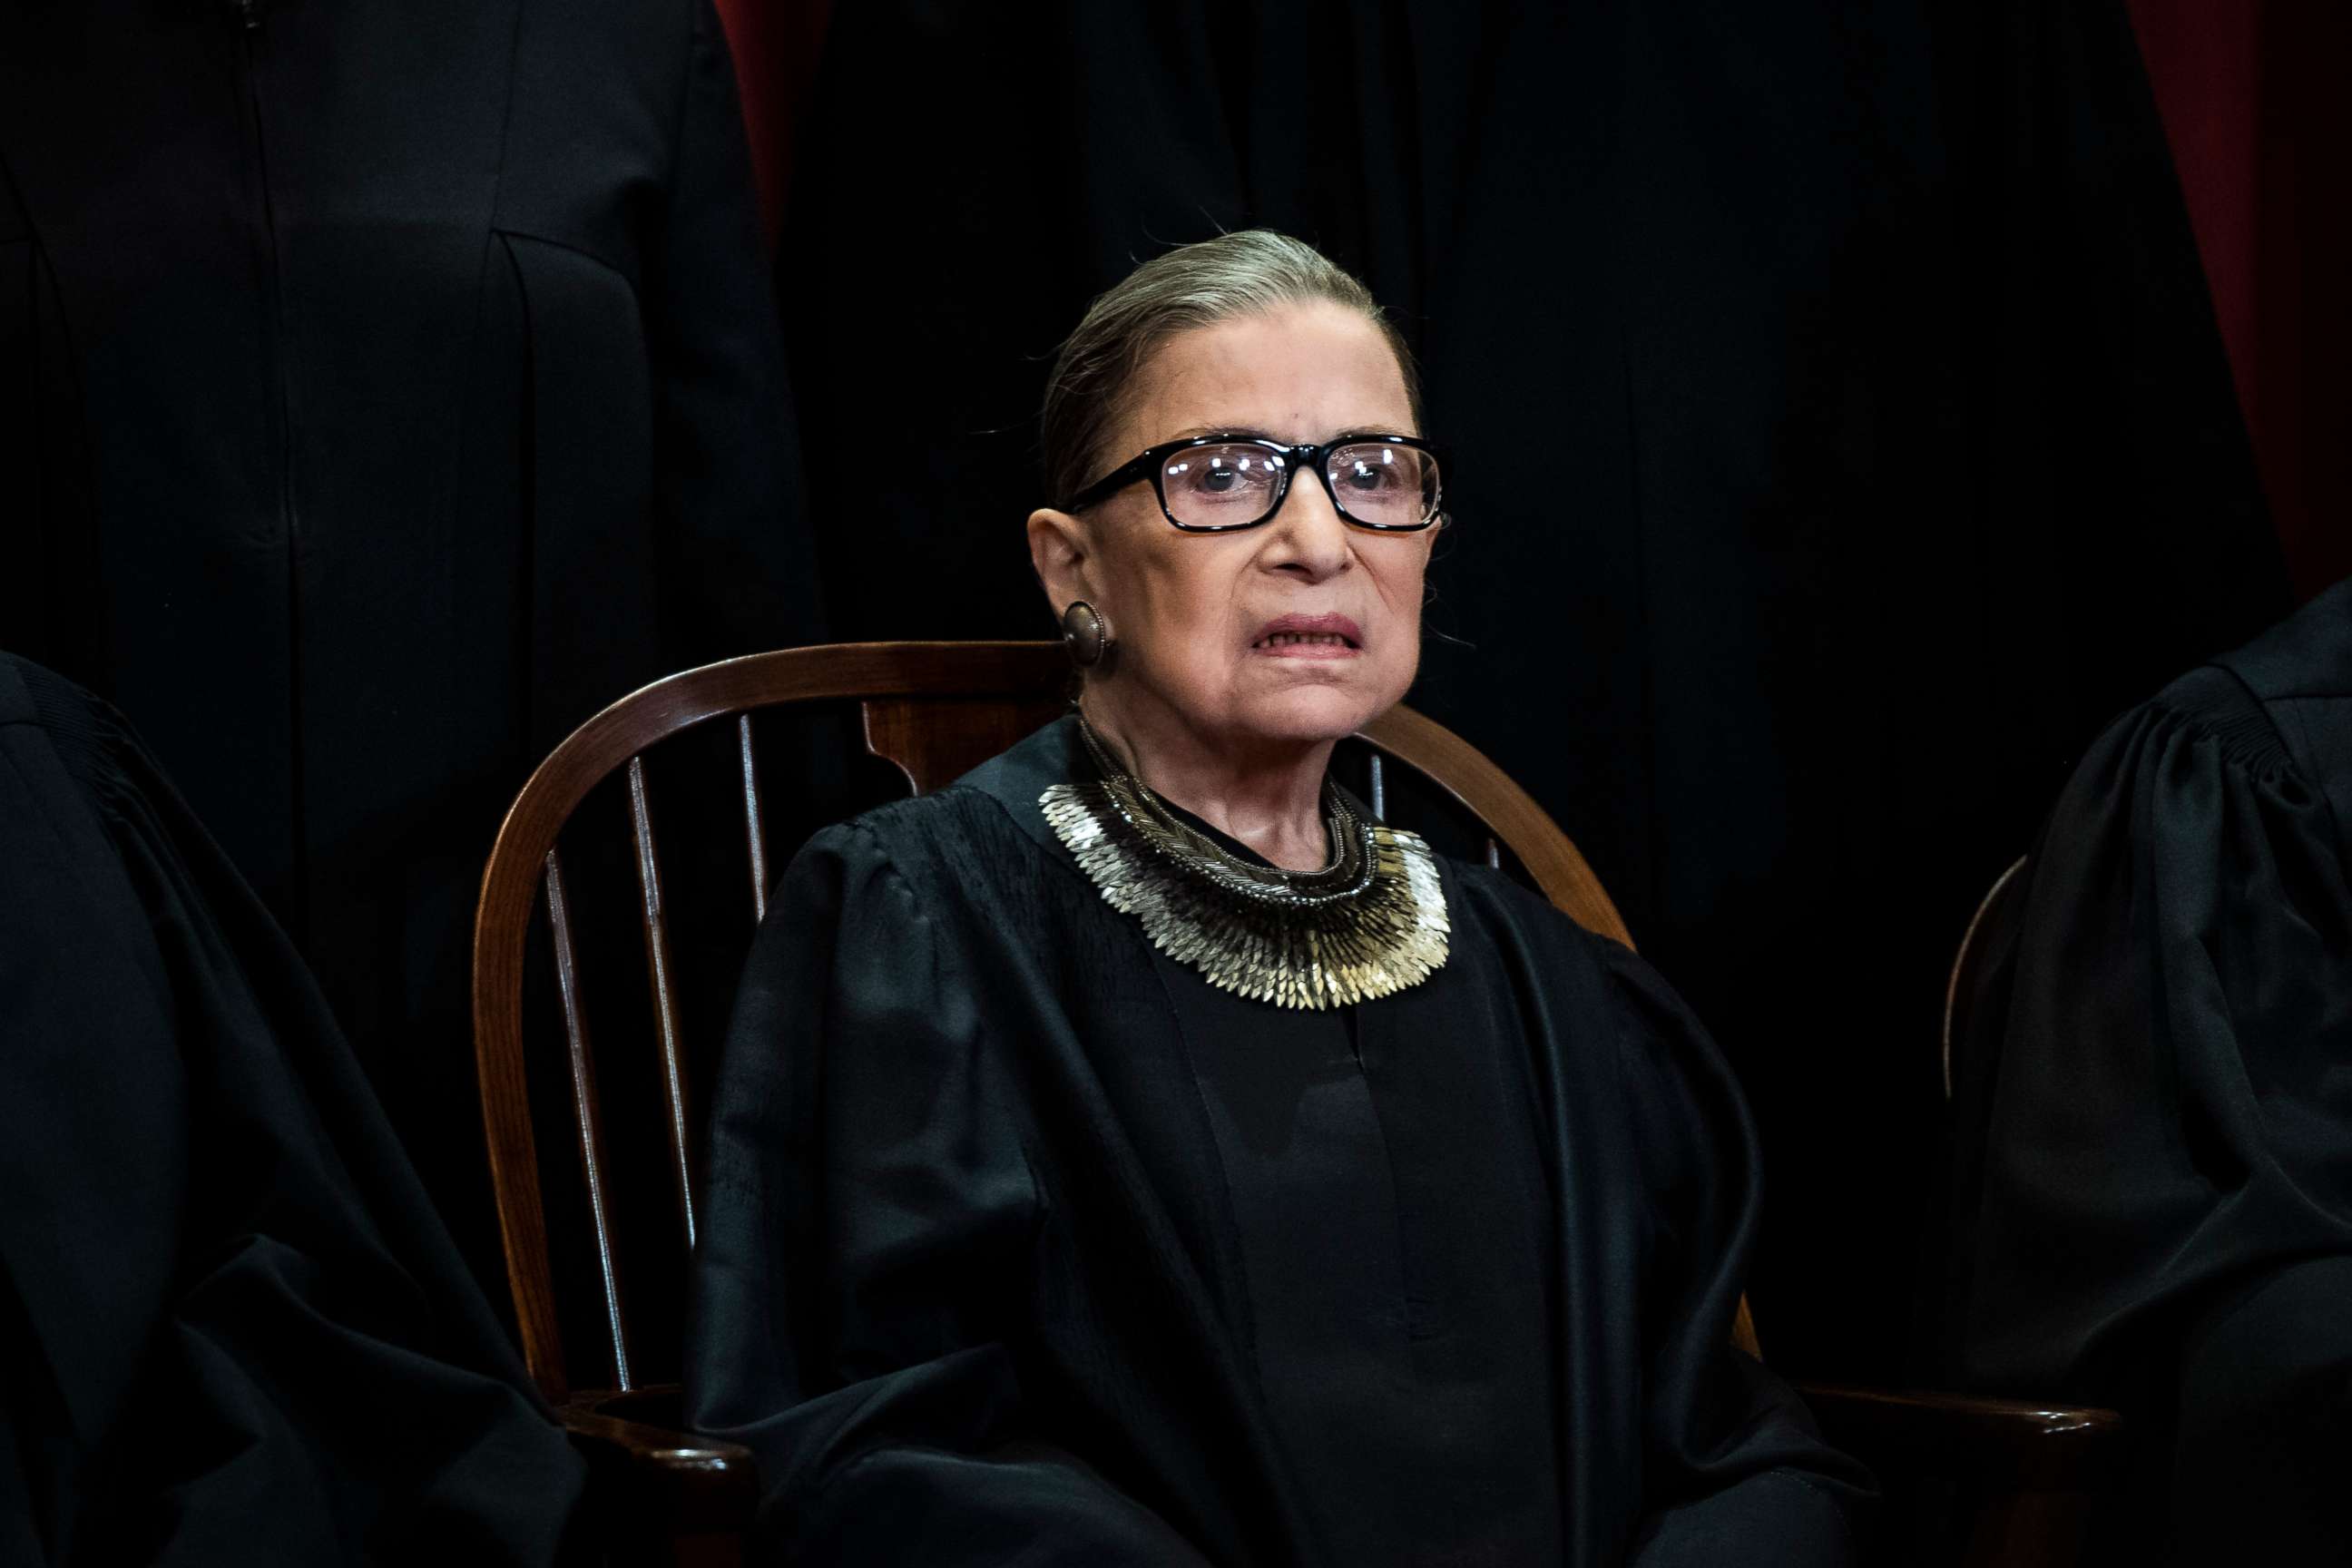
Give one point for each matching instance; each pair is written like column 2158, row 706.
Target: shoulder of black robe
column 2162, row 1071
column 960, row 1275
column 236, row 1331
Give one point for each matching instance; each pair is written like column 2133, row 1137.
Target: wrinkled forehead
column 1302, row 373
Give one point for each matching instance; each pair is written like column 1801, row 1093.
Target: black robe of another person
column 1025, row 1243
column 2159, row 1213
column 383, row 389
column 231, row 1329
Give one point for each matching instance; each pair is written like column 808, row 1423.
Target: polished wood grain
column 661, row 973
column 2023, row 1476
column 755, row 825
column 588, row 1124
column 935, row 742
column 1743, row 1330
column 2027, row 1444
column 664, row 1499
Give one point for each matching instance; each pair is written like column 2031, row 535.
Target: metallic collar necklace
column 1371, row 923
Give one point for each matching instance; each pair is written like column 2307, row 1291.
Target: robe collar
column 1015, row 778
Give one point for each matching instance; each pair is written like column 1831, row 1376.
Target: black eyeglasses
column 1217, row 484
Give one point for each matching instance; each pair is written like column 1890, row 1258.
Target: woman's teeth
column 1288, row 639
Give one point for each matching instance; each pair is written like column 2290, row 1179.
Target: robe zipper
column 251, row 14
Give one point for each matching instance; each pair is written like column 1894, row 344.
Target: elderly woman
column 1136, row 1153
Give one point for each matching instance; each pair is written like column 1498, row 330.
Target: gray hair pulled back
column 1254, row 271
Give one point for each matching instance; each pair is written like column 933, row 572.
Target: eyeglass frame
column 1152, row 464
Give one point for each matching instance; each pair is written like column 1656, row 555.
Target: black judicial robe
column 1023, row 1242
column 2158, row 1215
column 231, row 1331
column 383, row 388
column 1818, row 383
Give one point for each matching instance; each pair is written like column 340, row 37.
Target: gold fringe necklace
column 1367, row 925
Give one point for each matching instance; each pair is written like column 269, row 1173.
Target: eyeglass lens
column 1234, row 485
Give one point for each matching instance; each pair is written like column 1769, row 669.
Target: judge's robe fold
column 382, row 391
column 971, row 1280
column 231, row 1329
column 2154, row 1204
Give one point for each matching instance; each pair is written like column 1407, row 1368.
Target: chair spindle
column 585, row 1111
column 755, row 830
column 1380, row 790
column 664, row 994
column 1494, row 855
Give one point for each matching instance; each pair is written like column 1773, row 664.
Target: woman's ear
column 1061, row 550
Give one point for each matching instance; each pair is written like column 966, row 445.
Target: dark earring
column 1086, row 634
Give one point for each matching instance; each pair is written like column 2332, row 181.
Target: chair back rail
column 755, row 828
column 658, row 971
column 586, row 1117
column 935, row 709
column 1960, row 988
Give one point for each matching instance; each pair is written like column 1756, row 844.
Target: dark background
column 1842, row 425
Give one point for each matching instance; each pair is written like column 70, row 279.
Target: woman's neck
column 1268, row 793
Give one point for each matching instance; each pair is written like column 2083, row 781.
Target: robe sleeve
column 232, row 1327
column 2163, row 1073
column 737, row 566
column 865, row 1267
column 1735, row 1471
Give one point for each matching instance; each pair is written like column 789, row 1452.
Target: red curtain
column 776, row 45
column 2252, row 101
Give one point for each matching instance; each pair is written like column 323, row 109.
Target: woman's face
column 1302, row 628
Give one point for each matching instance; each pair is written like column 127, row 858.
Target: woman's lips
column 1308, row 636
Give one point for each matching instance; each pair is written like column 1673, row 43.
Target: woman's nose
column 1310, row 536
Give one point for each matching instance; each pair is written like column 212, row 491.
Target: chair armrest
column 2018, row 1443
column 656, row 1475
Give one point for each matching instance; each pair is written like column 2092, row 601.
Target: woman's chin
column 1311, row 712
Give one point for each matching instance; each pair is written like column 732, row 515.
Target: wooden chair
column 1960, row 990
column 934, row 709
column 2008, row 1494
